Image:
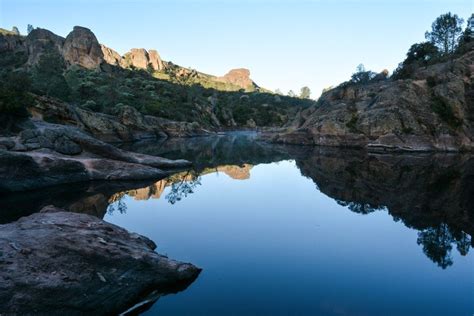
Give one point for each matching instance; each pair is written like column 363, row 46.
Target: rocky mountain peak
column 81, row 47
column 239, row 77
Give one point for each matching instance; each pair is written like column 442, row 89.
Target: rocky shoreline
column 433, row 110
column 45, row 154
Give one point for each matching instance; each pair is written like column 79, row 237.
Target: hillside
column 425, row 106
column 80, row 72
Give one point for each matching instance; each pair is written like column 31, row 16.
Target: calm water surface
column 284, row 230
column 304, row 231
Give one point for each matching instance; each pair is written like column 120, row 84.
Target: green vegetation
column 446, row 40
column 14, row 96
column 445, row 112
column 177, row 99
column 445, row 32
column 305, row 93
column 47, row 76
column 352, row 123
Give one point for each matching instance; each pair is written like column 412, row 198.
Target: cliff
column 433, row 110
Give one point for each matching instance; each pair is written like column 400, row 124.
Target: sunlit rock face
column 239, row 77
column 110, row 56
column 236, row 172
column 142, row 59
column 82, row 48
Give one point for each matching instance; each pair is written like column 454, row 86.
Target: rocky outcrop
column 142, row 59
column 51, row 154
column 127, row 125
column 434, row 111
column 82, row 48
column 155, row 60
column 239, row 77
column 11, row 42
column 111, row 57
column 60, row 263
column 41, row 41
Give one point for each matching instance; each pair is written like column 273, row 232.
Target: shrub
column 445, row 112
column 14, row 95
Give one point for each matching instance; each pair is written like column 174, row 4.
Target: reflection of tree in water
column 182, row 188
column 118, row 204
column 360, row 208
column 438, row 242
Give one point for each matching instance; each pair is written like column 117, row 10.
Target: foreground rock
column 433, row 111
column 64, row 263
column 45, row 154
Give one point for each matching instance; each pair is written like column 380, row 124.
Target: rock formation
column 155, row 60
column 41, row 41
column 127, row 125
column 48, row 154
column 82, row 48
column 432, row 111
column 142, row 59
column 61, row 263
column 111, row 57
column 239, row 77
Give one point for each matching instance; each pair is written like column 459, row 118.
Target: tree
column 278, row 91
column 14, row 96
column 467, row 38
column 361, row 75
column 292, row 94
column 422, row 52
column 305, row 93
column 15, row 30
column 48, row 76
column 445, row 32
column 29, row 28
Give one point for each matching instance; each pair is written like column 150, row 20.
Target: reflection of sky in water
column 274, row 245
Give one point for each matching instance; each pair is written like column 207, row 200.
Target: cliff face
column 82, row 48
column 432, row 111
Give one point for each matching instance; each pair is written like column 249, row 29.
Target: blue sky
column 285, row 44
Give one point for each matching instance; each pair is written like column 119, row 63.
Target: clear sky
column 285, row 44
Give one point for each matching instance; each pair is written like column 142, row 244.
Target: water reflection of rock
column 155, row 190
column 90, row 198
column 433, row 194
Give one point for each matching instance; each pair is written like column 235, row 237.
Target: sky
column 285, row 44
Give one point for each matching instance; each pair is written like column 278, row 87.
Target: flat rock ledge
column 61, row 263
column 50, row 154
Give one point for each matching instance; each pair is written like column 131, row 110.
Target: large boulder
column 82, row 48
column 60, row 263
